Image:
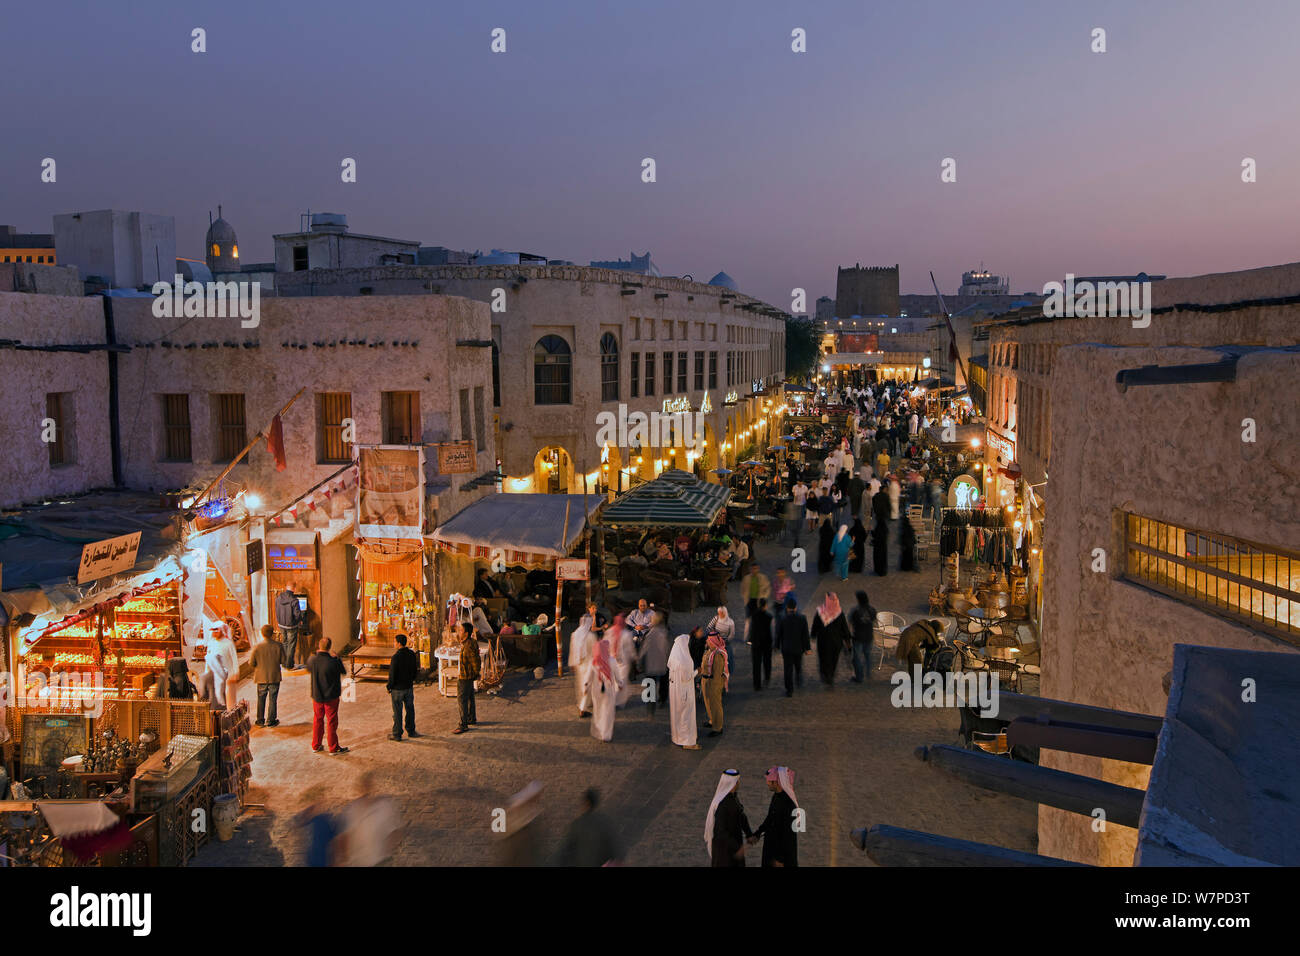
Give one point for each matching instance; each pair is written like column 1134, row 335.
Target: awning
column 535, row 527
column 64, row 604
column 676, row 499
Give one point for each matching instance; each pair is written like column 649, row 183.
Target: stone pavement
column 851, row 749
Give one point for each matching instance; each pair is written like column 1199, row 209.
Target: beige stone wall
column 364, row 345
column 1173, row 453
column 580, row 304
column 26, row 376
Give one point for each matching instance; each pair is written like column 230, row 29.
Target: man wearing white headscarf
column 726, row 827
column 681, row 694
column 778, row 833
column 222, row 663
column 624, row 653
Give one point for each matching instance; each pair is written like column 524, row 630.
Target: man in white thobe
column 681, row 693
column 602, row 690
column 581, row 644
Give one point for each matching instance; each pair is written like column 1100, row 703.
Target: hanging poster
column 390, row 491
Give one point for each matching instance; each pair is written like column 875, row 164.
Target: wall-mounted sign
column 706, row 406
column 964, row 492
column 731, row 398
column 456, row 458
column 112, row 556
column 291, row 557
column 571, row 569
column 1001, row 445
column 256, row 557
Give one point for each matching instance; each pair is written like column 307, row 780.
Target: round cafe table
column 983, row 619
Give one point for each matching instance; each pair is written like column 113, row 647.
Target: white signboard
column 103, row 558
column 571, row 569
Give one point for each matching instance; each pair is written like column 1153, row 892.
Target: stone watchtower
column 866, row 291
column 222, row 246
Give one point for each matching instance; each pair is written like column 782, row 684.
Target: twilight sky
column 772, row 165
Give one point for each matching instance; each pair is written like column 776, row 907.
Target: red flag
column 275, row 444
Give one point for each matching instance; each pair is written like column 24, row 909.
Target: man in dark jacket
column 793, row 638
column 760, row 639
column 266, row 674
column 402, row 670
column 863, row 621
column 326, row 673
column 288, row 616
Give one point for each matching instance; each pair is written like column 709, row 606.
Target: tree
column 802, row 346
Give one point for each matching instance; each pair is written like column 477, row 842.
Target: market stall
column 125, row 633
column 518, row 537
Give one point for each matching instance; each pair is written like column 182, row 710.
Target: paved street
column 851, row 750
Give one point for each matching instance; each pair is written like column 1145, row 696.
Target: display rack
column 127, row 642
column 236, row 757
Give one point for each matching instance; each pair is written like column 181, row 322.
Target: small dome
column 221, row 231
column 221, row 246
column 725, row 281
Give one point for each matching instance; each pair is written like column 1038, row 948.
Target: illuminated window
column 1257, row 585
column 216, row 251
column 234, row 252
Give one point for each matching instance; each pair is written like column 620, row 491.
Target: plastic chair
column 889, row 626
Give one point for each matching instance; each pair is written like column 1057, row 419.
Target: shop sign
column 964, row 492
column 1003, row 446
column 731, row 399
column 674, row 405
column 291, row 557
column 456, row 458
column 256, row 557
column 571, row 569
column 102, row 558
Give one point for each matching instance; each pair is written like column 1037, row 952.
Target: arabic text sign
column 456, row 458
column 102, row 558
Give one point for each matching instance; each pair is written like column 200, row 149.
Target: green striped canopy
column 676, row 499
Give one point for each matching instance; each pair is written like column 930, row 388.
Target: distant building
column 866, row 291
column 35, row 247
column 825, row 309
column 499, row 257
column 643, row 265
column 327, row 244
column 125, row 249
column 980, row 282
column 442, row 256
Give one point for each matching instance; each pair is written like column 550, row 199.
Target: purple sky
column 774, row 166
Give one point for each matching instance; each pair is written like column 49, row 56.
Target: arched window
column 608, row 368
column 216, row 250
column 496, row 376
column 552, row 371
